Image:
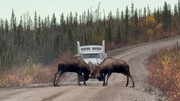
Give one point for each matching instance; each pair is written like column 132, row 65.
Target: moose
column 76, row 65
column 110, row 65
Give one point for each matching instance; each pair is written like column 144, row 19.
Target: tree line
column 41, row 40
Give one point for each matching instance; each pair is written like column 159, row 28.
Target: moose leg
column 132, row 81
column 109, row 74
column 104, row 79
column 55, row 78
column 85, row 83
column 79, row 81
column 127, row 83
column 79, row 75
column 127, row 80
column 60, row 73
column 83, row 79
column 104, row 82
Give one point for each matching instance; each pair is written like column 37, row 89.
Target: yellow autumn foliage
column 150, row 20
column 178, row 79
column 165, row 61
column 165, row 69
column 159, row 26
column 150, row 33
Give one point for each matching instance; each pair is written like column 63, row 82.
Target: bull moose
column 109, row 66
column 76, row 65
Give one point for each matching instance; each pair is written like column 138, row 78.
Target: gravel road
column 135, row 55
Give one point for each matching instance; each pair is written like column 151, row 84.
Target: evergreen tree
column 132, row 10
column 126, row 22
column 117, row 15
column 6, row 26
column 122, row 16
column 145, row 12
column 53, row 22
column 179, row 8
column 13, row 21
column 175, row 11
column 109, row 33
column 136, row 23
column 166, row 18
column 35, row 21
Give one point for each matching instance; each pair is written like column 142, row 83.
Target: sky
column 48, row 7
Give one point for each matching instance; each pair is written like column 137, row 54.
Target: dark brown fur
column 109, row 66
column 76, row 65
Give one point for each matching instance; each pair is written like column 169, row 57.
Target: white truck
column 92, row 53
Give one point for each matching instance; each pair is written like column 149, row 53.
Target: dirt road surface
column 135, row 55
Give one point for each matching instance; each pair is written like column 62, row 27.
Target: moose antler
column 97, row 61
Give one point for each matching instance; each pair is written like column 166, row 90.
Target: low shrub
column 164, row 67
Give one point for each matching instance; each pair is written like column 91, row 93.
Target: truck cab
column 92, row 53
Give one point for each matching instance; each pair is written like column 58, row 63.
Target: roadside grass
column 26, row 75
column 164, row 67
column 31, row 73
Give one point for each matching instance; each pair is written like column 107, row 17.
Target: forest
column 40, row 40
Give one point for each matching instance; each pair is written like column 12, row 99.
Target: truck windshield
column 86, row 56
